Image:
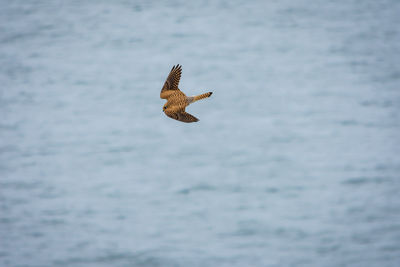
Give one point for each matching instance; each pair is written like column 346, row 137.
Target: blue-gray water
column 295, row 160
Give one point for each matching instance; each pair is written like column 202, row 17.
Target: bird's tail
column 198, row 97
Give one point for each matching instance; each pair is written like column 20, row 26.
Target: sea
column 295, row 160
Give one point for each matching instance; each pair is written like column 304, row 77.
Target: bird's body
column 177, row 101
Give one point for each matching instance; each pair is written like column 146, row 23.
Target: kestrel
column 177, row 101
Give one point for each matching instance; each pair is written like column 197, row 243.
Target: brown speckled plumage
column 177, row 101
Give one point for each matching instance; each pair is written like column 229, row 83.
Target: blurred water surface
column 295, row 160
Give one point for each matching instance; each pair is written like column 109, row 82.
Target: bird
column 177, row 101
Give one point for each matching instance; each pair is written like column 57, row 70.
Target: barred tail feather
column 198, row 97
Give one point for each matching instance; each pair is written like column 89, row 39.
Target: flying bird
column 177, row 101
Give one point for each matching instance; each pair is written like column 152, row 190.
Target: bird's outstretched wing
column 172, row 81
column 186, row 117
column 181, row 116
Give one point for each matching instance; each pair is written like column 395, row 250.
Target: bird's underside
column 177, row 101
